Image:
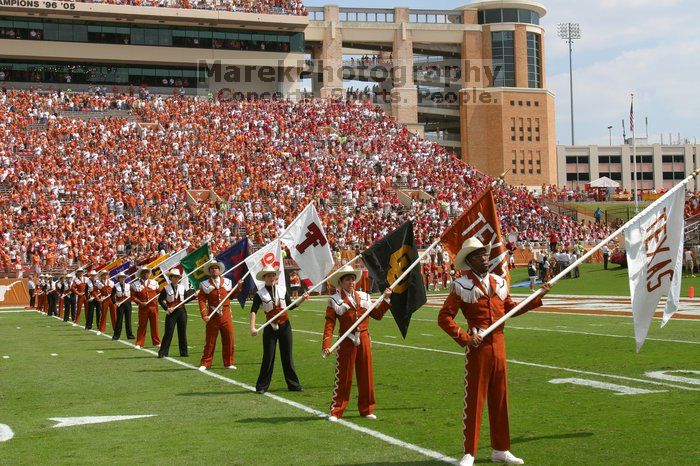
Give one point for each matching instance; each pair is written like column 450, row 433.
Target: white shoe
column 370, row 416
column 467, row 460
column 99, row 333
column 231, row 367
column 202, row 368
column 74, row 325
column 332, row 418
column 505, row 457
column 137, row 347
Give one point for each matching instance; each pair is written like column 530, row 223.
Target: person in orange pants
column 483, row 298
column 80, row 289
column 144, row 292
column 355, row 352
column 212, row 293
column 105, row 286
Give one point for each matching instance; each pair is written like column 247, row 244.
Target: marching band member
column 69, row 299
column 483, row 298
column 41, row 295
column 61, row 291
column 80, row 290
column 52, row 295
column 170, row 300
column 272, row 298
column 122, row 298
column 143, row 292
column 211, row 293
column 346, row 305
column 93, row 300
column 106, row 285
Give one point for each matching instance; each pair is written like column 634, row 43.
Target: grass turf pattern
column 419, row 396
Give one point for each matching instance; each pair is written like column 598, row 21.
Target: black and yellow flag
column 386, row 260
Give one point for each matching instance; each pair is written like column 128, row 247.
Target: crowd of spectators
column 288, row 7
column 79, row 190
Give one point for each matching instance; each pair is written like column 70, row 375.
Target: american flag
column 632, row 115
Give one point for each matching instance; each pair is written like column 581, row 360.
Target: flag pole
column 634, row 158
column 301, row 298
column 284, row 232
column 218, row 308
column 228, row 295
column 379, row 300
column 584, row 257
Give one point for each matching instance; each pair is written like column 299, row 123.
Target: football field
column 579, row 394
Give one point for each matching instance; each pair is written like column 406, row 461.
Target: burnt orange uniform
column 354, row 354
column 80, row 289
column 143, row 291
column 211, row 294
column 482, row 303
column 105, row 293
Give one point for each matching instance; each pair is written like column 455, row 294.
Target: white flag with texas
column 655, row 262
column 270, row 254
column 308, row 245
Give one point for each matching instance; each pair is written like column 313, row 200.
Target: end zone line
column 373, row 433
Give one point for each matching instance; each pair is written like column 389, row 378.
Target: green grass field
column 623, row 210
column 594, row 280
column 201, row 419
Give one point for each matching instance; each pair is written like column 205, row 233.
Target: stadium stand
column 88, row 176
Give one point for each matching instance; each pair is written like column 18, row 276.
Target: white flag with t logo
column 655, row 262
column 309, row 246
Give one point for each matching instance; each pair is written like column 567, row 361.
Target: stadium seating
column 87, row 189
column 280, row 7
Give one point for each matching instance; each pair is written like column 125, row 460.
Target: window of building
column 534, row 60
column 503, row 55
column 508, row 15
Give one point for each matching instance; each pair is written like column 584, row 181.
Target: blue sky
column 649, row 47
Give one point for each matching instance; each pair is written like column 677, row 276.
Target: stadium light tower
column 570, row 32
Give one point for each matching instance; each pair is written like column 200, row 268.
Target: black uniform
column 94, row 306
column 69, row 300
column 271, row 334
column 178, row 317
column 52, row 297
column 122, row 293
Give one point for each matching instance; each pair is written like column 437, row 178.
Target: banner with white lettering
column 655, row 262
column 309, row 246
column 270, row 254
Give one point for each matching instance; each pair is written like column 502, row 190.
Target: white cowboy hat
column 92, row 272
column 77, row 271
column 214, row 263
column 268, row 269
column 121, row 275
column 469, row 246
column 104, row 272
column 174, row 272
column 335, row 277
column 143, row 269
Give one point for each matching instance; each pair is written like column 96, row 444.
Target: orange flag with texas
column 481, row 221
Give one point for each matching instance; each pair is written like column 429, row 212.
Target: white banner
column 655, row 262
column 270, row 254
column 308, row 245
column 172, row 262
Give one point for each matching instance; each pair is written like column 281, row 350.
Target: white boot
column 231, row 367
column 467, row 460
column 505, row 457
column 332, row 418
column 202, row 368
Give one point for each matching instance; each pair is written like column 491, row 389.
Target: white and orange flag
column 655, row 262
column 481, row 221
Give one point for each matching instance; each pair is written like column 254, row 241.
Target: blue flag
column 124, row 267
column 233, row 256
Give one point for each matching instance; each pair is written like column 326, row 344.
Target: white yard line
column 579, row 332
column 351, row 425
column 515, row 361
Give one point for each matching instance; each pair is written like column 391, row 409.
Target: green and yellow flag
column 193, row 261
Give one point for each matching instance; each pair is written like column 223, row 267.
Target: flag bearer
column 346, row 306
column 171, row 299
column 483, row 298
column 272, row 298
